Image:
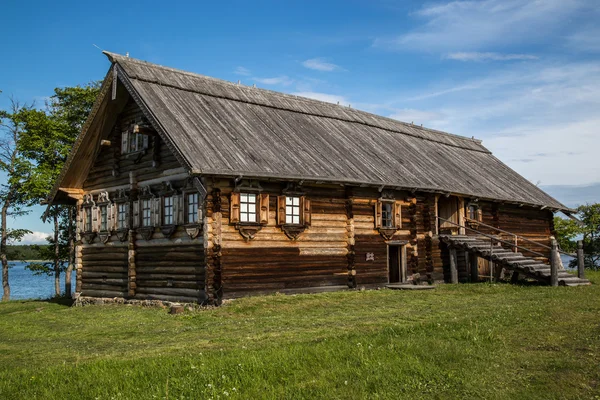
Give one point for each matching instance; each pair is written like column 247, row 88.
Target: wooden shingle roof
column 226, row 129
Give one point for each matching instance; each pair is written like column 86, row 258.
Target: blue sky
column 524, row 76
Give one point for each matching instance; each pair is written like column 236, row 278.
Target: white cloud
column 319, row 64
column 417, row 116
column 329, row 98
column 539, row 118
column 488, row 56
column 473, row 25
column 34, row 238
column 585, row 40
column 278, row 80
column 242, row 71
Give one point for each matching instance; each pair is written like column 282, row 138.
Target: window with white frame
column 192, row 208
column 168, row 211
column 122, row 209
column 147, row 212
column 292, row 210
column 88, row 219
column 247, row 207
column 103, row 218
column 387, row 215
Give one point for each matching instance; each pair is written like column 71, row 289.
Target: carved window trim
column 88, row 210
column 147, row 230
column 195, row 188
column 394, row 222
column 293, row 230
column 121, row 199
column 249, row 229
column 474, row 214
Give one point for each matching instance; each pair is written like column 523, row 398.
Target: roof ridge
column 113, row 57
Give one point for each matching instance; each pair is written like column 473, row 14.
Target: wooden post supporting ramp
column 580, row 260
column 554, row 264
column 453, row 266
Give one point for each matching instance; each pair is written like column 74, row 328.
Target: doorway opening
column 397, row 263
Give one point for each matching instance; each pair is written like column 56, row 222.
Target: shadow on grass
column 60, row 300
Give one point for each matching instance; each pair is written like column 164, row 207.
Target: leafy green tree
column 568, row 231
column 13, row 201
column 49, row 140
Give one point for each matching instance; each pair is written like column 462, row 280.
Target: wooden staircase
column 529, row 266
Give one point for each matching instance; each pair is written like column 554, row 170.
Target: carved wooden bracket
column 387, row 233
column 168, row 230
column 293, row 231
column 122, row 234
column 193, row 231
column 104, row 236
column 146, row 232
column 89, row 236
column 248, row 232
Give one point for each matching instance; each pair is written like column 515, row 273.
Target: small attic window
column 132, row 141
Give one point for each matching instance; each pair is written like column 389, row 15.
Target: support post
column 491, row 261
column 580, row 260
column 554, row 264
column 453, row 268
column 474, row 264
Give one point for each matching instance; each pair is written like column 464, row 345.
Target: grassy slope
column 468, row 341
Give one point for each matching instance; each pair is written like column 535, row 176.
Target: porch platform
column 408, row 286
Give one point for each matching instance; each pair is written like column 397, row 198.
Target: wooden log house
column 191, row 188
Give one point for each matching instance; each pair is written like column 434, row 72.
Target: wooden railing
column 554, row 251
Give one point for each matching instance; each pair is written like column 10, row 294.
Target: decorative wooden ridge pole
column 580, row 260
column 554, row 264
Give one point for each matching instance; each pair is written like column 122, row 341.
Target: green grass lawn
column 458, row 341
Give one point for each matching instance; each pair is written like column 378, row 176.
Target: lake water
column 25, row 285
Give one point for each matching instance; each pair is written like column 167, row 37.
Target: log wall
column 163, row 267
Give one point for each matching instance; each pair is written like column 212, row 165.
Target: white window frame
column 191, row 207
column 122, row 210
column 88, row 219
column 248, row 208
column 168, row 204
column 103, row 218
column 293, row 210
column 146, row 218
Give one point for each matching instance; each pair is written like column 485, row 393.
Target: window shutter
column 264, row 208
column 305, row 209
column 177, row 209
column 479, row 215
column 136, row 214
column 234, row 209
column 156, row 211
column 124, row 142
column 398, row 215
column 109, row 217
column 378, row 214
column 280, row 210
column 145, row 141
column 95, row 219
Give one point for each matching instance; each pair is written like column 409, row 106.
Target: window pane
column 244, row 217
column 296, row 219
column 288, row 201
column 252, row 208
column 243, row 197
column 252, row 198
column 288, row 219
column 288, row 210
column 296, row 201
column 244, row 207
column 251, row 217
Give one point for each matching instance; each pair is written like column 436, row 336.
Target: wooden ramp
column 528, row 266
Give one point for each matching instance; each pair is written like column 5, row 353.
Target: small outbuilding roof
column 221, row 128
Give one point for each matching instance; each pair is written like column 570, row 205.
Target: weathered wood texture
column 309, row 139
column 176, row 271
column 104, row 271
column 109, row 159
